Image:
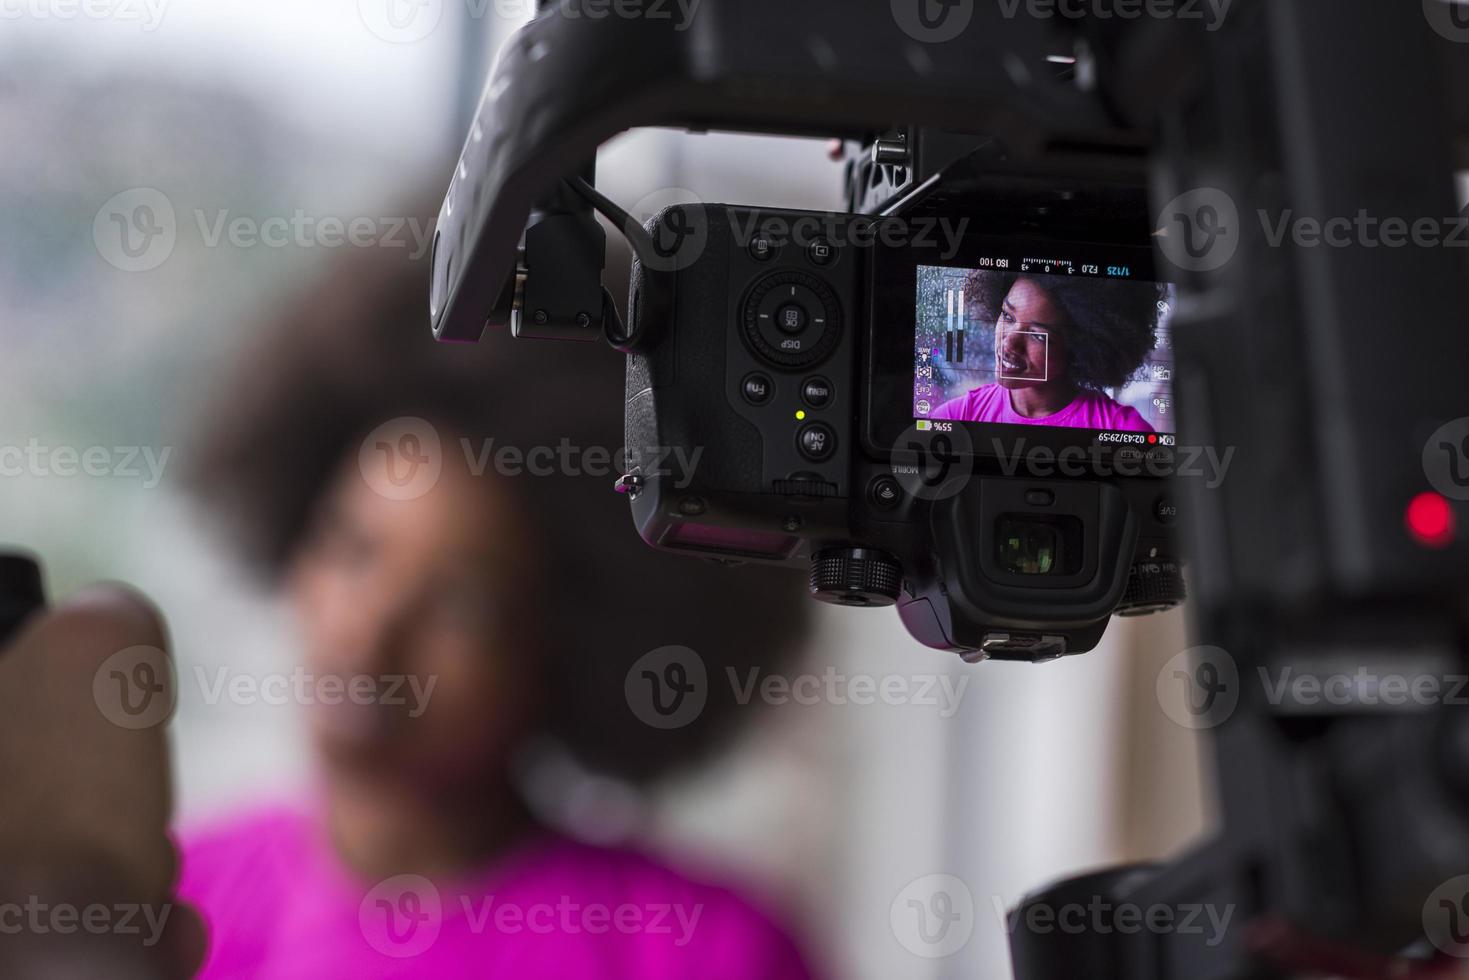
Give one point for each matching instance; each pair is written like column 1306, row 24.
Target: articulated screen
column 1044, row 342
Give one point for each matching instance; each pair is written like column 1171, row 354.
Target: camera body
column 775, row 414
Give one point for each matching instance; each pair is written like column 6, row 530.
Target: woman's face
column 1030, row 339
column 411, row 601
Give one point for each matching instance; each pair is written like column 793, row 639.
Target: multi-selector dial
column 792, row 320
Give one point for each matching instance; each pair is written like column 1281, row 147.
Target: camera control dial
column 855, row 577
column 791, row 319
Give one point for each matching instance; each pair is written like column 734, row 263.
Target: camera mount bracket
column 565, row 84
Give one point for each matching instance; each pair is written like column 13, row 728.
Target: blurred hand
column 86, row 866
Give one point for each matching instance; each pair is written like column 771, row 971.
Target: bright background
column 264, row 107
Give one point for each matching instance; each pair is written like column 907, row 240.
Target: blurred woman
column 1058, row 343
column 443, row 523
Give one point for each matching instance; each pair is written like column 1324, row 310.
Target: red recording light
column 1430, row 520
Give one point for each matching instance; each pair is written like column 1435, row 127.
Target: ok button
column 792, row 318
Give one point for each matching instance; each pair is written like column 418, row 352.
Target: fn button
column 756, row 388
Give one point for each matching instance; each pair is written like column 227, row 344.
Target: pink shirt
column 1090, row 410
column 279, row 907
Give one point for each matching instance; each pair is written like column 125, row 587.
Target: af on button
column 816, row 441
column 1165, row 509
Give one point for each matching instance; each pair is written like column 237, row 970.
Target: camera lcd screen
column 1038, row 341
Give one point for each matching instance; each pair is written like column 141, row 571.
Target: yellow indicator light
column 800, row 415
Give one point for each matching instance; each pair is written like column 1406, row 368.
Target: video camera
column 956, row 397
column 934, row 406
column 884, row 443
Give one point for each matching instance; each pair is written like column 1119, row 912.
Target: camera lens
column 1029, row 547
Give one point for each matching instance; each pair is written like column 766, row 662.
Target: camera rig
column 1342, row 825
column 803, row 466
